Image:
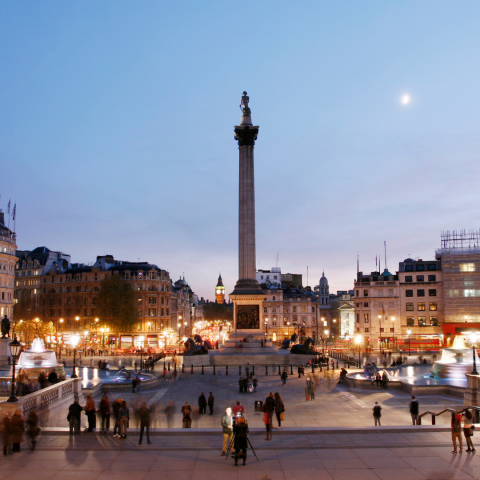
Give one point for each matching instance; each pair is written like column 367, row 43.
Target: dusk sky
column 116, row 130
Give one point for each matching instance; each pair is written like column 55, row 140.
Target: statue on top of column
column 5, row 327
column 244, row 105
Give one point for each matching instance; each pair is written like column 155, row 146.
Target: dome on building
column 323, row 280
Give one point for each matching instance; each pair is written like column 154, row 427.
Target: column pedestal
column 4, row 350
column 471, row 397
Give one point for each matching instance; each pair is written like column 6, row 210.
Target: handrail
column 452, row 411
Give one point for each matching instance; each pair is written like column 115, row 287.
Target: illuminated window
column 366, row 318
column 433, row 307
column 421, row 307
column 409, row 307
column 467, row 267
column 421, row 322
column 433, row 321
column 410, row 321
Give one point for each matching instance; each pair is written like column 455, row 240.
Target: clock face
column 219, row 292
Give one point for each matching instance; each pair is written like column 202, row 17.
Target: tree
column 27, row 330
column 27, row 307
column 116, row 304
column 217, row 311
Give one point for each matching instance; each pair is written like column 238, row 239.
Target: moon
column 405, row 100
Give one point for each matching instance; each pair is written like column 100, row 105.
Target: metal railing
column 452, row 411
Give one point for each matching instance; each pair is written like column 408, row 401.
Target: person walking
column 378, row 380
column 240, row 385
column 91, row 411
column 187, row 419
column 267, row 420
column 33, row 430
column 468, row 430
column 124, row 415
column 414, row 409
column 227, row 429
column 105, row 413
column 211, row 402
column 270, row 405
column 457, row 431
column 299, row 370
column 255, row 384
column 377, row 413
column 284, row 377
column 7, row 434
column 73, row 417
column 313, row 390
column 144, row 414
column 385, row 380
column 116, row 417
column 279, row 409
column 373, row 377
column 17, row 430
column 240, row 431
column 238, row 407
column 308, row 390
column 202, row 404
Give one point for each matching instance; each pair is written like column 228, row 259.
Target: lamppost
column 326, row 332
column 473, row 340
column 394, row 339
column 359, row 341
column 409, row 332
column 74, row 339
column 288, row 329
column 380, row 332
column 266, row 325
column 333, row 332
column 15, row 348
column 141, row 339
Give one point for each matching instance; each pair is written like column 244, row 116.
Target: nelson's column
column 247, row 295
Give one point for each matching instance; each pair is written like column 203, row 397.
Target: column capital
column 246, row 135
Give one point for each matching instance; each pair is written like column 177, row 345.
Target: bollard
column 191, row 370
column 433, row 420
column 203, row 371
column 214, row 372
column 183, row 368
column 279, row 370
column 239, row 369
column 253, row 372
column 226, row 373
column 266, row 369
column 291, row 369
column 168, row 366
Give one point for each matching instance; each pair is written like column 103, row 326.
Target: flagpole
column 15, row 218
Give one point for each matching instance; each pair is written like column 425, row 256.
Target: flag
column 9, row 206
column 14, row 211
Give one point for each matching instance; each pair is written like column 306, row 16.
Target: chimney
column 2, row 218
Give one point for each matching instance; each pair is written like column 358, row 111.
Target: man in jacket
column 211, row 402
column 116, row 417
column 105, row 413
column 90, row 410
column 144, row 414
column 269, row 406
column 73, row 417
column 227, row 427
column 202, row 404
column 414, row 411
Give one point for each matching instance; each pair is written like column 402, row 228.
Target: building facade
column 7, row 268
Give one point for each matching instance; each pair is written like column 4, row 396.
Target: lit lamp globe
column 74, row 339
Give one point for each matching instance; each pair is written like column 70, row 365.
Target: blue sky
column 116, row 130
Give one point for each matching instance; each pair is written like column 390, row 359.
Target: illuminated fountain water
column 456, row 361
column 37, row 358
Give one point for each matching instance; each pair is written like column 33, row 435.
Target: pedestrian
column 52, row 377
column 279, row 409
column 377, row 413
column 202, row 404
column 116, row 416
column 187, row 419
column 385, row 380
column 269, row 408
column 267, row 420
column 284, row 377
column 105, row 413
column 414, row 411
column 378, row 380
column 137, row 384
column 468, row 430
column 17, row 430
column 73, row 417
column 373, row 377
column 241, row 439
column 299, row 370
column 33, row 430
column 227, row 429
column 91, row 411
column 238, row 408
column 43, row 380
column 313, row 390
column 211, row 402
column 169, row 411
column 457, row 432
column 134, row 384
column 124, row 418
column 144, row 414
column 255, row 384
column 7, row 434
column 240, row 385
column 308, row 391
column 302, row 371
column 245, row 385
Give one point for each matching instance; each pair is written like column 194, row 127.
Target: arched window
column 153, row 288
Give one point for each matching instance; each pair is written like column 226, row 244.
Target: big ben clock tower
column 220, row 290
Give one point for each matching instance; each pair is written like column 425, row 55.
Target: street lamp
column 266, row 325
column 326, row 332
column 409, row 332
column 473, row 340
column 380, row 331
column 394, row 339
column 15, row 348
column 141, row 338
column 74, row 339
column 359, row 341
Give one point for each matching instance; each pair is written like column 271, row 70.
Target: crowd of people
column 13, row 430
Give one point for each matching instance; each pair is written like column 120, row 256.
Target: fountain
column 37, row 358
column 456, row 361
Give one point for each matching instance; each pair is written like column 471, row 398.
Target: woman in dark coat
column 7, row 434
column 17, row 430
column 33, row 430
column 279, row 408
column 240, row 431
